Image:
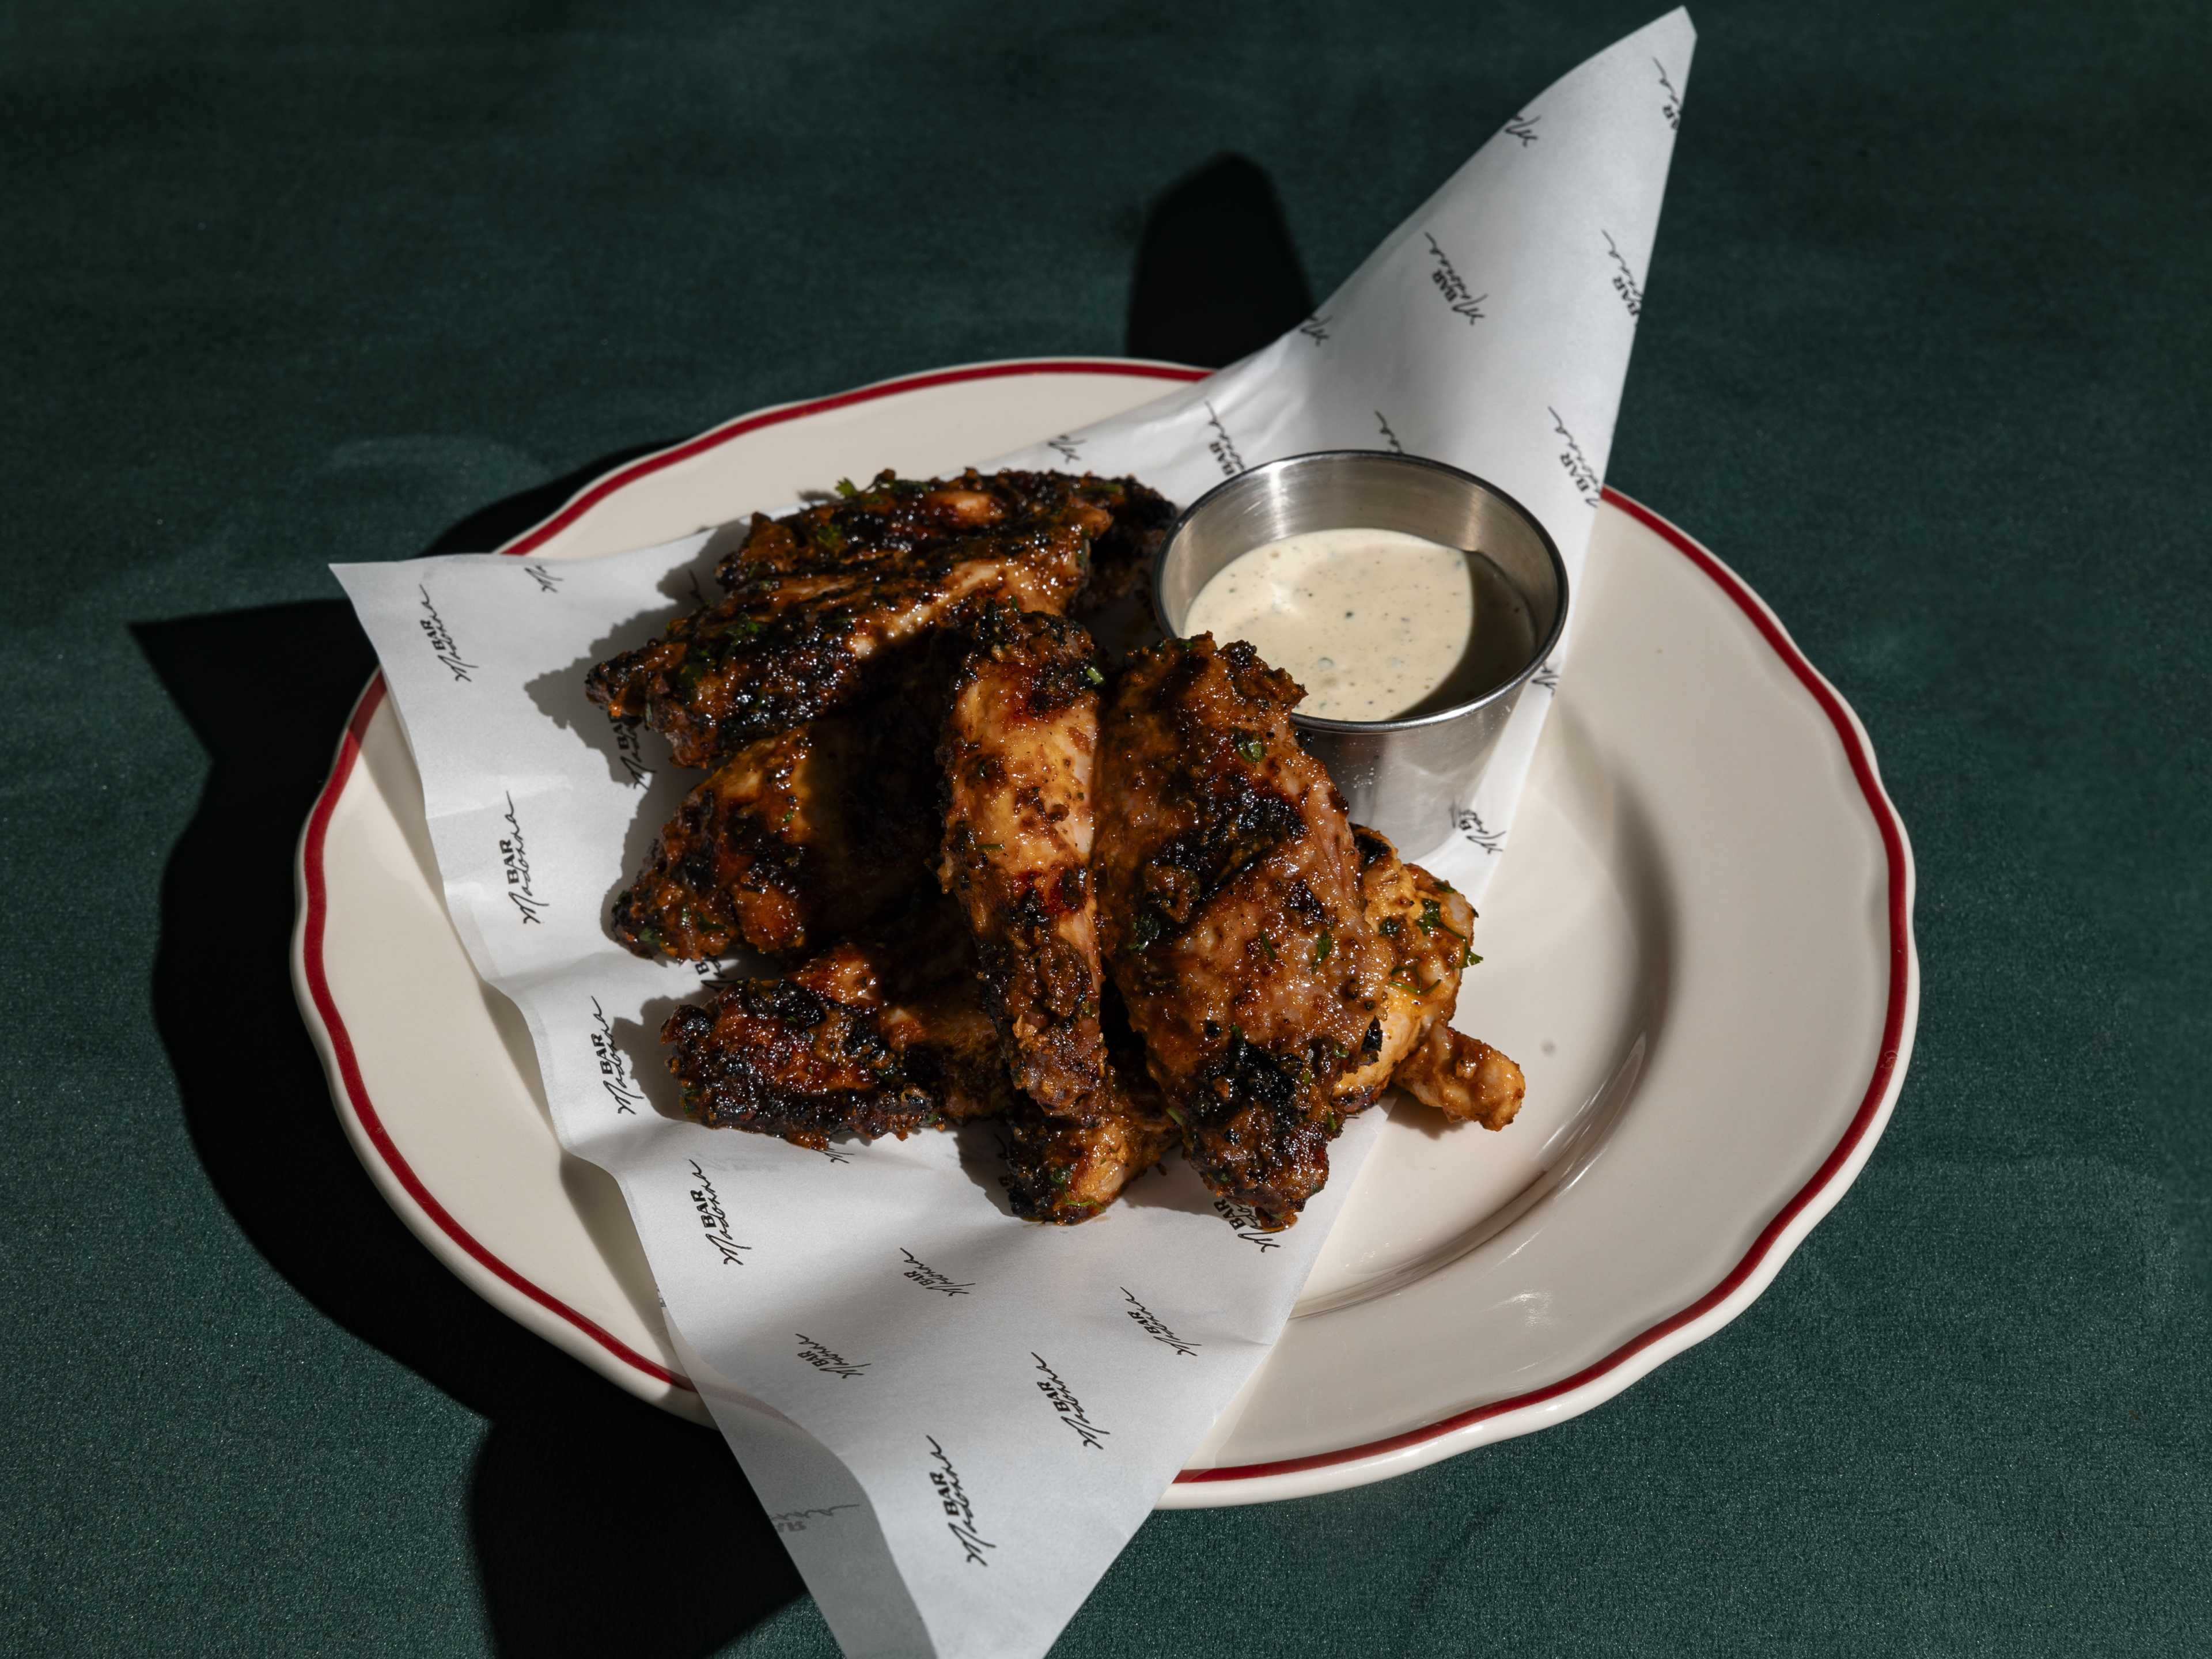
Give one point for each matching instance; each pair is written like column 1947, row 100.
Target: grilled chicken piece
column 795, row 841
column 864, row 1040
column 817, row 613
column 1064, row 1169
column 1423, row 926
column 1463, row 1076
column 896, row 516
column 1019, row 744
column 1427, row 925
column 1233, row 919
column 1018, row 752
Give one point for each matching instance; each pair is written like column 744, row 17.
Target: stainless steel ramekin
column 1409, row 778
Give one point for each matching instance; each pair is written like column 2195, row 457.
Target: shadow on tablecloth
column 600, row 1524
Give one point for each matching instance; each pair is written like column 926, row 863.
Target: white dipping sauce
column 1370, row 622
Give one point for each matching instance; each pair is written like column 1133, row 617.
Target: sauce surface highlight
column 1374, row 624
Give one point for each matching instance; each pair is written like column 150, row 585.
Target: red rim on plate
column 1869, row 1108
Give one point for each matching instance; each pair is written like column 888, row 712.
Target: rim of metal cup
column 1404, row 722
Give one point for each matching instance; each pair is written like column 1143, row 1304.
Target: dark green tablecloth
column 1924, row 357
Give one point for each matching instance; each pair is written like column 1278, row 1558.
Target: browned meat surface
column 1463, row 1076
column 794, row 842
column 825, row 607
column 863, row 1040
column 1064, row 1172
column 1427, row 925
column 1068, row 1169
column 893, row 517
column 1423, row 926
column 1019, row 746
column 1233, row 919
column 1123, row 556
column 787, row 649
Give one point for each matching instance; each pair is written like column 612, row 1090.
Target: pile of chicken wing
column 1118, row 912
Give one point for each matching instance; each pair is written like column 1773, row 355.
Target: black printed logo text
column 826, row 1359
column 441, row 638
column 514, row 859
column 1453, row 286
column 715, row 1220
column 930, row 1279
column 1576, row 465
column 1154, row 1327
column 959, row 1513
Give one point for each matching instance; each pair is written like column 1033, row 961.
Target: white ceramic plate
column 1700, row 949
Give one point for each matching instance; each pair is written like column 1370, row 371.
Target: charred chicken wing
column 1068, row 1169
column 823, row 607
column 1234, row 921
column 794, row 842
column 1427, row 925
column 864, row 1040
column 1020, row 747
column 896, row 517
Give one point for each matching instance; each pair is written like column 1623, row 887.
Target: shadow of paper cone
column 1216, row 276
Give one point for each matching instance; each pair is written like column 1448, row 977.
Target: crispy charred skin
column 1426, row 926
column 1422, row 927
column 894, row 518
column 1064, row 1170
column 891, row 520
column 783, row 650
column 1019, row 745
column 858, row 1041
column 1233, row 919
column 1120, row 557
column 794, row 841
column 826, row 605
column 1463, row 1076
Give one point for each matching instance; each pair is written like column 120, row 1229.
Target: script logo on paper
column 1222, row 447
column 1069, row 1407
column 631, row 757
column 1547, row 677
column 1315, row 328
column 546, row 580
column 1455, row 290
column 824, row 1359
column 796, row 1520
column 1578, row 470
column 614, row 1069
column 1624, row 280
column 1152, row 1325
column 1471, row 825
column 1671, row 107
column 1246, row 1221
column 441, row 638
column 1388, row 436
column 930, row 1279
column 960, row 1513
column 715, row 1220
column 515, row 859
column 1524, row 127
column 1068, row 449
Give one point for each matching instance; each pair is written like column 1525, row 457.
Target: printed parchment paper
column 957, row 1419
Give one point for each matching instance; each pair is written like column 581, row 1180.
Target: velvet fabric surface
column 1925, row 356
